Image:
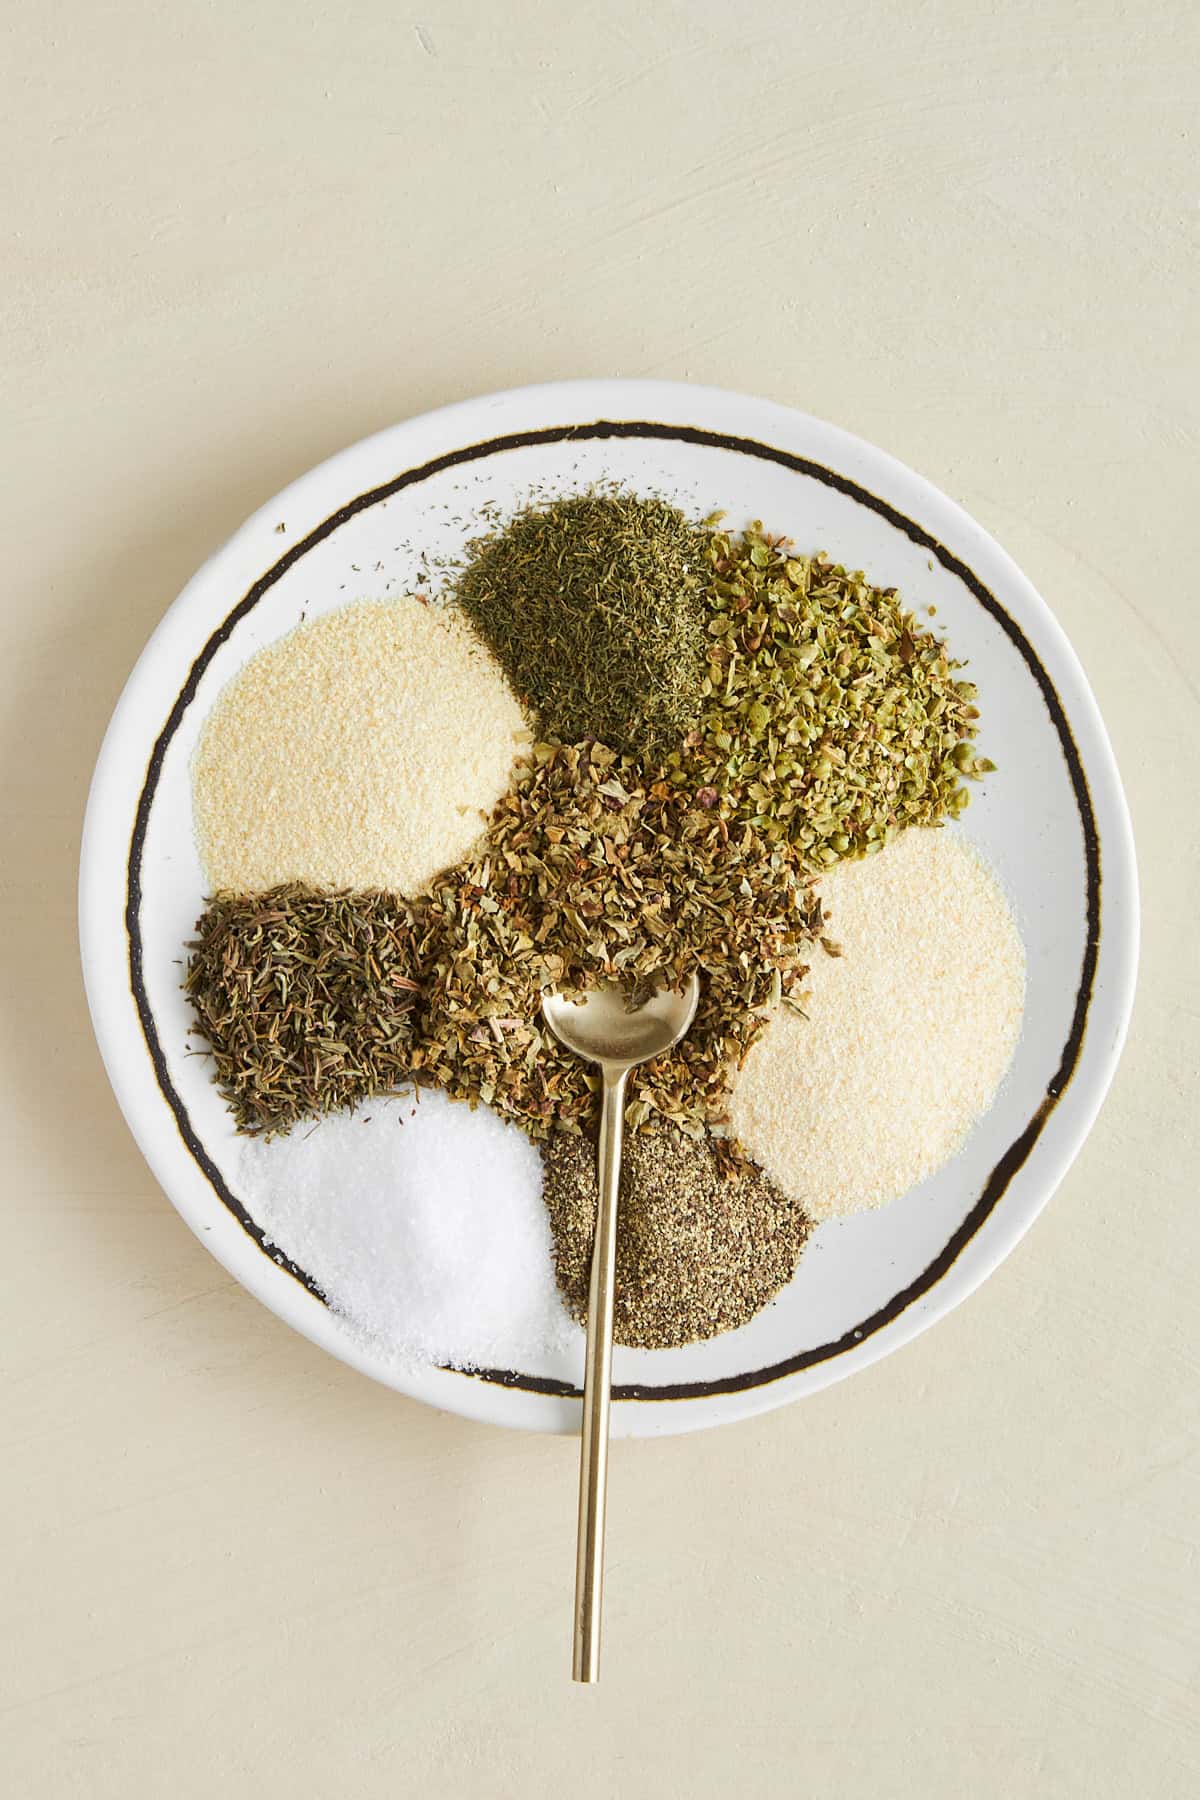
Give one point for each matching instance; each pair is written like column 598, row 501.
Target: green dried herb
column 588, row 874
column 831, row 719
column 700, row 1250
column 594, row 607
column 307, row 1000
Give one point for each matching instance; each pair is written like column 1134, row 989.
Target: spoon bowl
column 601, row 1028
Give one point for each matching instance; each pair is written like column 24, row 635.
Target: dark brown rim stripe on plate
column 1014, row 1156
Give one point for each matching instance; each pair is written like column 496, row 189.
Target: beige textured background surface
column 239, row 237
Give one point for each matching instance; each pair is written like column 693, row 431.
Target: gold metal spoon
column 601, row 1030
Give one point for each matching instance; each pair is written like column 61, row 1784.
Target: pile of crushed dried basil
column 586, row 873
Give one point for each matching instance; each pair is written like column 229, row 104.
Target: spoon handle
column 593, row 1449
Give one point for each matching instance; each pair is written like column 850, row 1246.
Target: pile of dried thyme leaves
column 306, row 999
column 700, row 1248
column 594, row 606
column 831, row 719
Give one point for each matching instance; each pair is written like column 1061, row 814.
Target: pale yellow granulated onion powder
column 363, row 750
column 908, row 1035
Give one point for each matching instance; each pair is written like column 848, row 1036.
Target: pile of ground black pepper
column 699, row 1250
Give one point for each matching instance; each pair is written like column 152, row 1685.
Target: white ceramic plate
column 1053, row 822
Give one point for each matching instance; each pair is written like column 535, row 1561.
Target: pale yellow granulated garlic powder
column 362, row 750
column 908, row 1035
